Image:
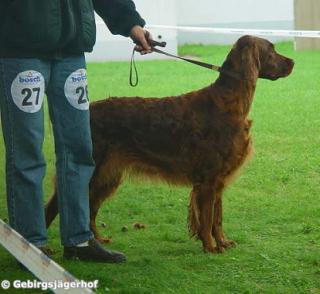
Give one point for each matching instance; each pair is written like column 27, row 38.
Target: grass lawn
column 272, row 211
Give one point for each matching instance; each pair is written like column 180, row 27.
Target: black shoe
column 93, row 252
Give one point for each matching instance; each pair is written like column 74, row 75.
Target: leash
column 134, row 81
column 196, row 62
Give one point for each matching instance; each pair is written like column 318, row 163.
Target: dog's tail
column 51, row 208
column 193, row 217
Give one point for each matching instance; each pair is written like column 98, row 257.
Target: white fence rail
column 237, row 31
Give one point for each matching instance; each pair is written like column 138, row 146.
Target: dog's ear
column 250, row 61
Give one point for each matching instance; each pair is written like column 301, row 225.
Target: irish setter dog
column 199, row 139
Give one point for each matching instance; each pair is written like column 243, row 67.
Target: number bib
column 76, row 90
column 27, row 91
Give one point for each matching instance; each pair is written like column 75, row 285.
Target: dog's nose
column 290, row 62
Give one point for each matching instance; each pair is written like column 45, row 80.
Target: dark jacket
column 53, row 28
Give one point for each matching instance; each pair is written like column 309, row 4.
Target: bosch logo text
column 79, row 78
column 29, row 80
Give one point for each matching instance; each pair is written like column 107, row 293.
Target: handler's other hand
column 143, row 38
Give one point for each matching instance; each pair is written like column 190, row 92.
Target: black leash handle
column 133, row 81
column 133, row 75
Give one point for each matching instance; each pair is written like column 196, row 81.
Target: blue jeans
column 23, row 84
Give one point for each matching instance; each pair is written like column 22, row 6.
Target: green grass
column 272, row 211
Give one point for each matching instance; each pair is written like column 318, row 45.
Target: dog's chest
column 241, row 151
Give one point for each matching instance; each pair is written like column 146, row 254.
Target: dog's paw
column 214, row 250
column 228, row 244
column 104, row 240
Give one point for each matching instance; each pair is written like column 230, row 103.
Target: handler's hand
column 141, row 36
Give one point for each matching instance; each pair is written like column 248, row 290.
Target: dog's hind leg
column 193, row 215
column 102, row 186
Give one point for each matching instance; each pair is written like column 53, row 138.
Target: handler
column 42, row 45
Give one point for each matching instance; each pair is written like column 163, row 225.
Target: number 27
column 28, row 92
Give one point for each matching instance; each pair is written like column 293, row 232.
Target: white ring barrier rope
column 37, row 262
column 236, row 31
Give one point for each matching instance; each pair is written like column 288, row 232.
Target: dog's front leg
column 205, row 201
column 217, row 230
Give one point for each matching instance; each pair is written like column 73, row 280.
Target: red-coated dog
column 199, row 139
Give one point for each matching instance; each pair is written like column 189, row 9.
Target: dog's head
column 256, row 58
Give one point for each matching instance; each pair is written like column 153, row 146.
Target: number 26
column 83, row 97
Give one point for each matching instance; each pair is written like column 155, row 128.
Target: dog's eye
column 270, row 55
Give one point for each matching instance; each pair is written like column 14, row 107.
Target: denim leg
column 68, row 106
column 22, row 87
